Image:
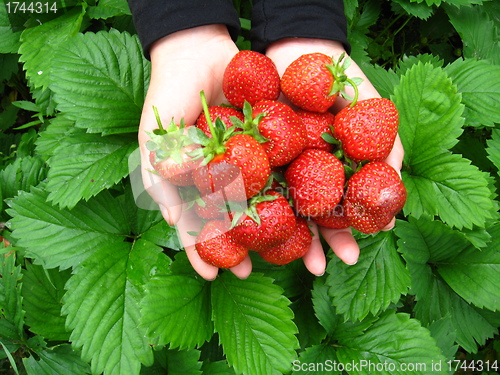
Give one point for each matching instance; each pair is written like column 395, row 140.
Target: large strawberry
column 295, row 247
column 268, row 222
column 314, row 80
column 368, row 129
column 336, row 219
column 315, row 181
column 250, row 76
column 233, row 163
column 170, row 150
column 226, row 114
column 374, row 195
column 283, row 131
column 215, row 245
column 316, row 125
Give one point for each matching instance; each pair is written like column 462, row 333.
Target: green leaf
column 9, row 39
column 102, row 307
column 65, row 238
column 494, row 148
column 383, row 80
column 85, row 164
column 254, row 323
column 474, row 274
column 176, row 311
column 22, row 174
column 40, row 45
column 323, row 306
column 109, row 8
column 318, row 360
column 447, row 185
column 54, row 134
column 422, row 243
column 42, row 293
column 393, row 344
column 11, row 310
column 100, row 81
column 479, row 83
column 183, row 362
column 430, row 112
column 310, row 332
column 57, row 360
column 445, row 334
column 480, row 36
column 377, row 280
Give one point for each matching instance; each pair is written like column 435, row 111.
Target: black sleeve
column 273, row 20
column 154, row 19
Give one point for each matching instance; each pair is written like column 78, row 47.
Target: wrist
column 185, row 41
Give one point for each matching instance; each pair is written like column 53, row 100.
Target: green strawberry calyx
column 169, row 142
column 211, row 146
column 341, row 80
column 250, row 125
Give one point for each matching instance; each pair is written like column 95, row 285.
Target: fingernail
column 351, row 264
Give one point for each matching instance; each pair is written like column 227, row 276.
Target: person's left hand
column 341, row 241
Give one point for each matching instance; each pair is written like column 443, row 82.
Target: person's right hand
column 182, row 65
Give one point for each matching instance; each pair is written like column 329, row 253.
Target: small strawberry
column 335, row 219
column 316, row 125
column 215, row 245
column 374, row 195
column 315, row 181
column 294, row 248
column 170, row 150
column 234, row 163
column 250, row 76
column 224, row 113
column 313, row 81
column 368, row 129
column 283, row 131
column 268, row 222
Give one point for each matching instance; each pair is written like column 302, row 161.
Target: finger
column 390, row 226
column 205, row 270
column 164, row 194
column 395, row 158
column 342, row 243
column 244, row 269
column 315, row 259
column 187, row 228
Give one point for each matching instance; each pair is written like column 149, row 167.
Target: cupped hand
column 182, row 65
column 341, row 241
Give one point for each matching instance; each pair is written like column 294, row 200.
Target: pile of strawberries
column 257, row 170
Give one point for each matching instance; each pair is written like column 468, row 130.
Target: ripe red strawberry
column 235, row 164
column 241, row 169
column 335, row 219
column 374, row 195
column 316, row 124
column 283, row 129
column 224, row 113
column 313, row 81
column 268, row 222
column 215, row 245
column 315, row 181
column 169, row 152
column 368, row 129
column 250, row 76
column 294, row 248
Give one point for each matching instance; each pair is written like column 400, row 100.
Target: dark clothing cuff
column 273, row 20
column 154, row 19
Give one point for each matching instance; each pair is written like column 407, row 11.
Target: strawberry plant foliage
column 93, row 284
column 369, row 286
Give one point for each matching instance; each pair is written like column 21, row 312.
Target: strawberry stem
column 207, row 116
column 160, row 130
